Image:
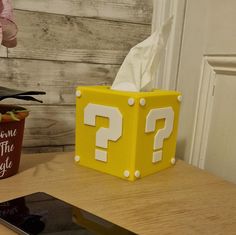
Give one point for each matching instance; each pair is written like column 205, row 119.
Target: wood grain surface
column 63, row 44
column 3, row 51
column 137, row 11
column 50, row 125
column 179, row 200
column 68, row 38
column 57, row 78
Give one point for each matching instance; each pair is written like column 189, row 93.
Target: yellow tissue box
column 126, row 134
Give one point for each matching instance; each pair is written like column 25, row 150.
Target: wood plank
column 58, row 79
column 138, row 11
column 68, row 148
column 57, row 37
column 44, row 149
column 3, row 51
column 48, row 149
column 49, row 125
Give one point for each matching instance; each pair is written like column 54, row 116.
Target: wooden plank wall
column 63, row 44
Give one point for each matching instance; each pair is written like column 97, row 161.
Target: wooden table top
column 179, row 200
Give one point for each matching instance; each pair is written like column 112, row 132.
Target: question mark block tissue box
column 126, row 134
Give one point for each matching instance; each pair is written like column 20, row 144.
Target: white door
column 207, row 79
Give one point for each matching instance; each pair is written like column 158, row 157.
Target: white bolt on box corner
column 137, row 174
column 126, row 173
column 78, row 93
column 142, row 102
column 77, row 158
column 173, row 161
column 179, row 98
column 131, row 101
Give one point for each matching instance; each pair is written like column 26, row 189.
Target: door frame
column 167, row 72
column 211, row 66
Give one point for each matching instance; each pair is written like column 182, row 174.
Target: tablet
column 41, row 213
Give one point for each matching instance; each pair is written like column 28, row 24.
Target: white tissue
column 137, row 73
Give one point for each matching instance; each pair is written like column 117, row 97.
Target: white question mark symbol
column 153, row 115
column 114, row 131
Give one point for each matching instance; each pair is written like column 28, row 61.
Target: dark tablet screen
column 40, row 213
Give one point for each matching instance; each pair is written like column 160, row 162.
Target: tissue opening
column 138, row 71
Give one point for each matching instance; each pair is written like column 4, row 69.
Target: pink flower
column 8, row 28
